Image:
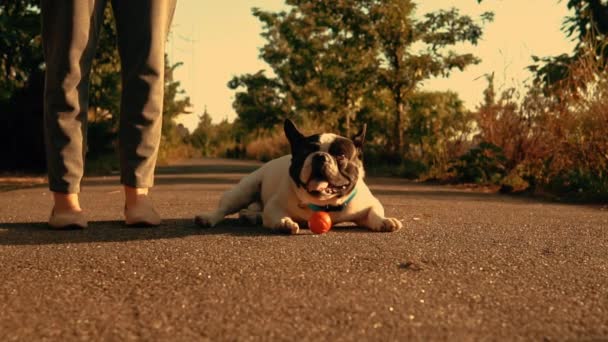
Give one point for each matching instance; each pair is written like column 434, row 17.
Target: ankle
column 134, row 195
column 66, row 202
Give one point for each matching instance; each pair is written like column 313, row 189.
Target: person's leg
column 142, row 27
column 69, row 36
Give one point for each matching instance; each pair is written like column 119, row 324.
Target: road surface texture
column 467, row 266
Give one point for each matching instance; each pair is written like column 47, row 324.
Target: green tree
column 346, row 64
column 20, row 45
column 175, row 102
column 330, row 57
column 439, row 129
column 202, row 135
column 404, row 68
column 215, row 140
column 588, row 26
column 21, row 86
column 323, row 56
column 173, row 144
column 261, row 106
column 589, row 17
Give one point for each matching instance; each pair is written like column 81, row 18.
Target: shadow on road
column 38, row 233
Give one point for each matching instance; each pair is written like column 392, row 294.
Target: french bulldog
column 324, row 172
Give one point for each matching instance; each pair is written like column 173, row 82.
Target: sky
column 217, row 40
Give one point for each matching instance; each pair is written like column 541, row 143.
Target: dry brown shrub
column 517, row 127
column 557, row 139
column 267, row 147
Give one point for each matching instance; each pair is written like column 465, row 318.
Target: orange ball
column 319, row 222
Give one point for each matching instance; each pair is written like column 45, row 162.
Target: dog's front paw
column 287, row 226
column 387, row 224
column 207, row 220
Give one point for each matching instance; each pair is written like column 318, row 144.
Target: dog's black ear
column 359, row 139
column 292, row 133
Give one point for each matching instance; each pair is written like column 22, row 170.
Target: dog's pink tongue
column 317, row 185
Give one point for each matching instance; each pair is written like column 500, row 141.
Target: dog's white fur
column 271, row 194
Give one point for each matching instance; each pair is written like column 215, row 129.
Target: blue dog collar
column 328, row 208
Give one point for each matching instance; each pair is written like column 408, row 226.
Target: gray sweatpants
column 70, row 30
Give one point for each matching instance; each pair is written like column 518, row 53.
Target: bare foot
column 66, row 213
column 66, row 203
column 134, row 195
column 139, row 211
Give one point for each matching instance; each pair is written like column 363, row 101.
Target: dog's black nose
column 319, row 158
column 318, row 162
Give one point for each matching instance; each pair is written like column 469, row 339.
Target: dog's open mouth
column 318, row 187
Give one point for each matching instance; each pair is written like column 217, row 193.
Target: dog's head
column 325, row 167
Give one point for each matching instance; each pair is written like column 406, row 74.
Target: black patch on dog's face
column 343, row 149
column 347, row 157
column 300, row 150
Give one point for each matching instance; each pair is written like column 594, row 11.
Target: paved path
column 467, row 266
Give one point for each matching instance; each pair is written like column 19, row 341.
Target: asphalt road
column 467, row 266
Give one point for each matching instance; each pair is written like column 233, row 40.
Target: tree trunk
column 350, row 111
column 398, row 144
column 348, row 122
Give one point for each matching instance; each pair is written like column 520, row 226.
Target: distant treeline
column 334, row 65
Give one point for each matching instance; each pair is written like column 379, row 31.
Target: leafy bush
column 514, row 182
column 379, row 161
column 484, row 164
column 580, row 185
